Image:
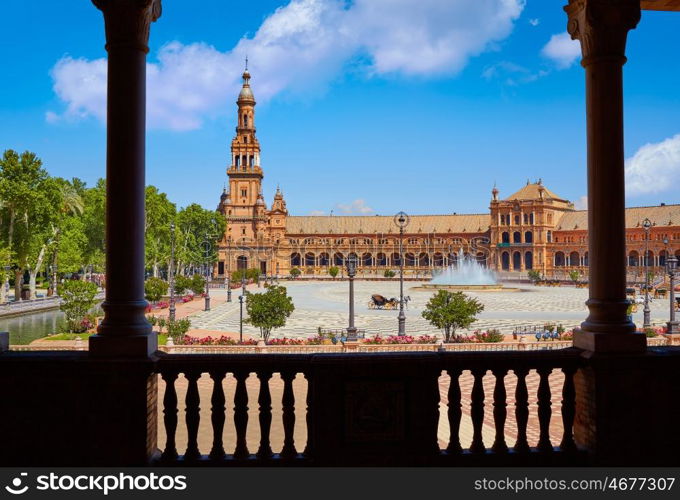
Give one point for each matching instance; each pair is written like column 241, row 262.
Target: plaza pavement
column 324, row 304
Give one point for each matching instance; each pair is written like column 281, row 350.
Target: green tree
column 451, row 311
column 24, row 207
column 182, row 283
column 534, row 276
column 295, row 272
column 269, row 310
column 197, row 284
column 194, row 224
column 94, row 215
column 574, row 275
column 159, row 214
column 334, row 271
column 154, row 289
column 78, row 297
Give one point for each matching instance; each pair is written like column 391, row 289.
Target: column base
column 610, row 342
column 133, row 346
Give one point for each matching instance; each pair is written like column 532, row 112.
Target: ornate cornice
column 602, row 27
column 128, row 22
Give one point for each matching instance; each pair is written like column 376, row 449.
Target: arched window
column 528, row 237
column 549, row 236
column 438, row 260
column 245, row 120
column 409, row 260
column 382, row 259
column 505, row 261
column 662, row 258
column 505, row 237
column 367, row 259
column 559, row 259
column 324, row 260
column 633, row 259
column 310, row 259
column 423, row 260
column 516, row 261
column 295, row 259
column 338, row 259
column 649, row 258
column 574, row 259
column 396, row 259
column 241, row 262
column 517, row 237
column 528, row 260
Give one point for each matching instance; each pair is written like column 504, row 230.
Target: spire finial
column 246, row 62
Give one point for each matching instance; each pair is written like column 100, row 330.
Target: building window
column 502, row 219
column 244, row 193
column 243, row 231
column 517, row 220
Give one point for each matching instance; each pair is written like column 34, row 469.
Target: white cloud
column 299, row 48
column 581, row 203
column 654, row 168
column 513, row 74
column 317, row 212
column 357, row 207
column 535, row 21
column 562, row 50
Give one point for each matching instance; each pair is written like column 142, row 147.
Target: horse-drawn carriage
column 379, row 302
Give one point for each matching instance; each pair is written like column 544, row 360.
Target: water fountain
column 467, row 273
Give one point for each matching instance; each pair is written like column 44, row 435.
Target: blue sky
column 369, row 106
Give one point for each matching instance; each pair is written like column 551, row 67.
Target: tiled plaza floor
column 325, row 305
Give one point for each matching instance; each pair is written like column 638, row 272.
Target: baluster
column 521, row 410
column 265, row 401
column 477, row 411
column 241, row 414
column 288, row 403
column 568, row 409
column 170, row 415
column 217, row 415
column 455, row 412
column 193, row 415
column 499, row 411
column 309, row 446
column 544, row 411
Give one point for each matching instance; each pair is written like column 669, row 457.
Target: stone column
column 602, row 27
column 124, row 330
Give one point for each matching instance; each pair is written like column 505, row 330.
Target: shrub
column 534, row 276
column 316, row 340
column 249, row 274
column 154, row 289
column 197, row 284
column 269, row 310
column 451, row 311
column 178, row 328
column 389, row 273
column 375, row 340
column 489, row 336
column 182, row 283
column 333, row 271
column 295, row 272
column 651, row 333
column 78, row 297
column 286, row 341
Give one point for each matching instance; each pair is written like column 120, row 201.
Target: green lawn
column 162, row 339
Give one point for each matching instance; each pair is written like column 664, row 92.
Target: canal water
column 29, row 327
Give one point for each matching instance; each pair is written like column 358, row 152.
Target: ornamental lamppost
column 229, row 269
column 206, row 248
column 401, row 220
column 646, row 323
column 240, row 299
column 171, row 272
column 351, row 272
column 671, row 266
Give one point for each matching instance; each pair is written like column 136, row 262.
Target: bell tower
column 244, row 206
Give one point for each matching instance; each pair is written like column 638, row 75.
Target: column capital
column 128, row 22
column 602, row 27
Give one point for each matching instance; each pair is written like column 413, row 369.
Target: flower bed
column 401, row 339
column 222, row 340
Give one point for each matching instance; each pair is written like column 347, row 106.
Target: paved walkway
column 325, row 305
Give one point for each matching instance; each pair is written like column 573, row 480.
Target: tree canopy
column 451, row 311
column 269, row 310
